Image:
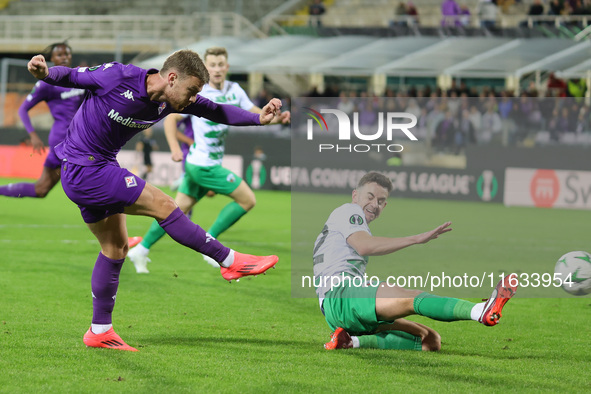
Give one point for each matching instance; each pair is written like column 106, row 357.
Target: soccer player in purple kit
column 121, row 101
column 63, row 103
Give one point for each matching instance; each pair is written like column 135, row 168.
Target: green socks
column 227, row 217
column 153, row 235
column 442, row 308
column 391, row 340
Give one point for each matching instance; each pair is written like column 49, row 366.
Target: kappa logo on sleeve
column 130, row 181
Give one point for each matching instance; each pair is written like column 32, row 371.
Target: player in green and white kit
column 203, row 168
column 371, row 316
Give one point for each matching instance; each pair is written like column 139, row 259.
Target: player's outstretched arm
column 433, row 234
column 38, row 67
column 367, row 245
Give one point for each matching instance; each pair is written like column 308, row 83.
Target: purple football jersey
column 186, row 126
column 62, row 102
column 117, row 107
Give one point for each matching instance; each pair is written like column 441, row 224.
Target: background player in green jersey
column 203, row 168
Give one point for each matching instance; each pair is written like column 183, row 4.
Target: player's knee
column 41, row 190
column 250, row 202
column 167, row 205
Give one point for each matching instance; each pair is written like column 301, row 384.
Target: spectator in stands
column 487, row 12
column 465, row 15
column 466, row 126
column 555, row 8
column 505, row 105
column 346, row 104
column 413, row 108
column 491, row 125
column 368, row 114
column 581, row 7
column 400, row 13
column 582, row 124
column 561, row 123
column 450, row 11
column 556, row 86
column 412, row 12
column 476, row 119
column 316, row 10
column 453, row 88
column 445, row 132
column 535, row 9
column 576, row 88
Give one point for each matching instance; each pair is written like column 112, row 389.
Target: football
column 574, row 270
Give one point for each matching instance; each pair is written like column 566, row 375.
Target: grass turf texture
column 197, row 333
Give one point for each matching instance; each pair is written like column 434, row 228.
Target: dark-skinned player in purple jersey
column 121, row 101
column 63, row 102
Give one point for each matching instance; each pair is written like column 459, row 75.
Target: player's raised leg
column 139, row 254
column 493, row 307
column 155, row 203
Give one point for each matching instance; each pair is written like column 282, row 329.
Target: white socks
column 229, row 260
column 355, row 341
column 141, row 249
column 100, row 328
column 477, row 310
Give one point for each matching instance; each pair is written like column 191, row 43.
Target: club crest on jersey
column 161, row 108
column 231, row 178
column 356, row 219
column 130, row 181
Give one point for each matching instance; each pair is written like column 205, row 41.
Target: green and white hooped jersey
column 210, row 137
column 332, row 254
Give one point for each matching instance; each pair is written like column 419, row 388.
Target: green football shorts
column 199, row 180
column 352, row 308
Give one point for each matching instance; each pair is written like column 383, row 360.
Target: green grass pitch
column 197, row 333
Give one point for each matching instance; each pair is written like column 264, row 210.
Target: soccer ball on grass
column 574, row 269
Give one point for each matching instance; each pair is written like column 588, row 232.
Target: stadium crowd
column 454, row 118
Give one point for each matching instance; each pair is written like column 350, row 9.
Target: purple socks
column 18, row 190
column 105, row 280
column 187, row 233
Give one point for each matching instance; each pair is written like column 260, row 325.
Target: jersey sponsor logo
column 130, row 181
column 72, row 93
column 129, row 121
column 128, row 95
column 356, row 219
